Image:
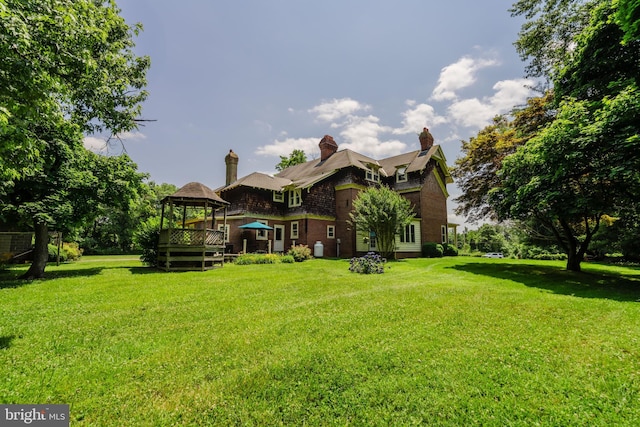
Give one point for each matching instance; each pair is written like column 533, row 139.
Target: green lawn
column 453, row 341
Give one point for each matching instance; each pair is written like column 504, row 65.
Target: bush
column 450, row 250
column 287, row 259
column 147, row 237
column 371, row 263
column 248, row 259
column 68, row 252
column 300, row 253
column 432, row 250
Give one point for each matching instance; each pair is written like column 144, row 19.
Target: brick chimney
column 231, row 161
column 327, row 147
column 426, row 139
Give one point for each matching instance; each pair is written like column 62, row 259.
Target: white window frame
column 331, row 231
column 278, row 196
column 443, row 231
column 262, row 234
column 295, row 230
column 408, row 235
column 372, row 175
column 402, row 176
column 225, row 229
column 295, row 197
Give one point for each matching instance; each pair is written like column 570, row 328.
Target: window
column 443, row 230
column 409, row 234
column 225, row 228
column 373, row 175
column 331, row 231
column 262, row 234
column 295, row 197
column 294, row 230
column 401, row 174
column 278, row 196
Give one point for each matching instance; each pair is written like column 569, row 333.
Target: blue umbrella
column 255, row 226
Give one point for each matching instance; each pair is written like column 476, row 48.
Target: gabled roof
column 309, row 173
column 259, row 180
column 416, row 161
column 195, row 194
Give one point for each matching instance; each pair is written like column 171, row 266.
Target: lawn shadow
column 10, row 279
column 5, row 341
column 143, row 270
column 618, row 287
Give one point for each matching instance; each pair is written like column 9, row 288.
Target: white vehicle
column 493, row 255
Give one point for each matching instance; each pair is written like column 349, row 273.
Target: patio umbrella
column 255, row 226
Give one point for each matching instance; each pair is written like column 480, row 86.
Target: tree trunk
column 573, row 261
column 40, row 252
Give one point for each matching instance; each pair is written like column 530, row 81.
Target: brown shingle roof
column 195, row 194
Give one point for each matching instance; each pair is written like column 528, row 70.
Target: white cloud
column 101, row 144
column 362, row 134
column 416, row 118
column 94, row 144
column 478, row 113
column 286, row 146
column 459, row 75
column 337, row 108
column 132, row 136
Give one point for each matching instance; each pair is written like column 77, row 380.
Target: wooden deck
column 188, row 249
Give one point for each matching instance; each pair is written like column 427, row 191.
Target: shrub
column 53, row 253
column 248, row 259
column 449, row 250
column 371, row 263
column 287, row 259
column 300, row 253
column 432, row 250
column 147, row 237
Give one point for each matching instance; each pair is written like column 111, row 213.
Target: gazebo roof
column 195, row 194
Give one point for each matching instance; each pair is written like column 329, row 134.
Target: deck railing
column 191, row 237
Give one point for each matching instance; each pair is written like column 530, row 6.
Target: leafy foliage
column 248, row 259
column 147, row 238
column 384, row 212
column 295, row 158
column 476, row 172
column 371, row 263
column 432, row 250
column 68, row 68
column 300, row 253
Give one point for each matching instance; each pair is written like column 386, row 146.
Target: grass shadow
column 143, row 270
column 5, row 341
column 618, row 287
column 11, row 278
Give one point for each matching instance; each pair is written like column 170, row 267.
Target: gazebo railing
column 191, row 237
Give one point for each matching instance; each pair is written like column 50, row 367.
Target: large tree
column 476, row 171
column 582, row 166
column 68, row 69
column 384, row 212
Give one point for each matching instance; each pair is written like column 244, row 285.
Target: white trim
column 295, row 234
column 331, row 231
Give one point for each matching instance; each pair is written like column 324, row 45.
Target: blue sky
column 264, row 77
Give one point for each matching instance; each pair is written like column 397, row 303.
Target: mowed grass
column 453, row 341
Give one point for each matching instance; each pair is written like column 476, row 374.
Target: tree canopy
column 580, row 162
column 68, row 68
column 296, row 157
column 384, row 212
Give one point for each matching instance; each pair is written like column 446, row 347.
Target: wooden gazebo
column 181, row 248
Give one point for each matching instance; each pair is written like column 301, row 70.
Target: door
column 278, row 238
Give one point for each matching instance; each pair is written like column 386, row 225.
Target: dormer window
column 401, row 174
column 295, row 197
column 278, row 196
column 372, row 175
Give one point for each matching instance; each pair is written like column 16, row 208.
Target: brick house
column 311, row 202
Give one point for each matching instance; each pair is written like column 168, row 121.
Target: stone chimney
column 327, row 147
column 231, row 161
column 426, row 139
